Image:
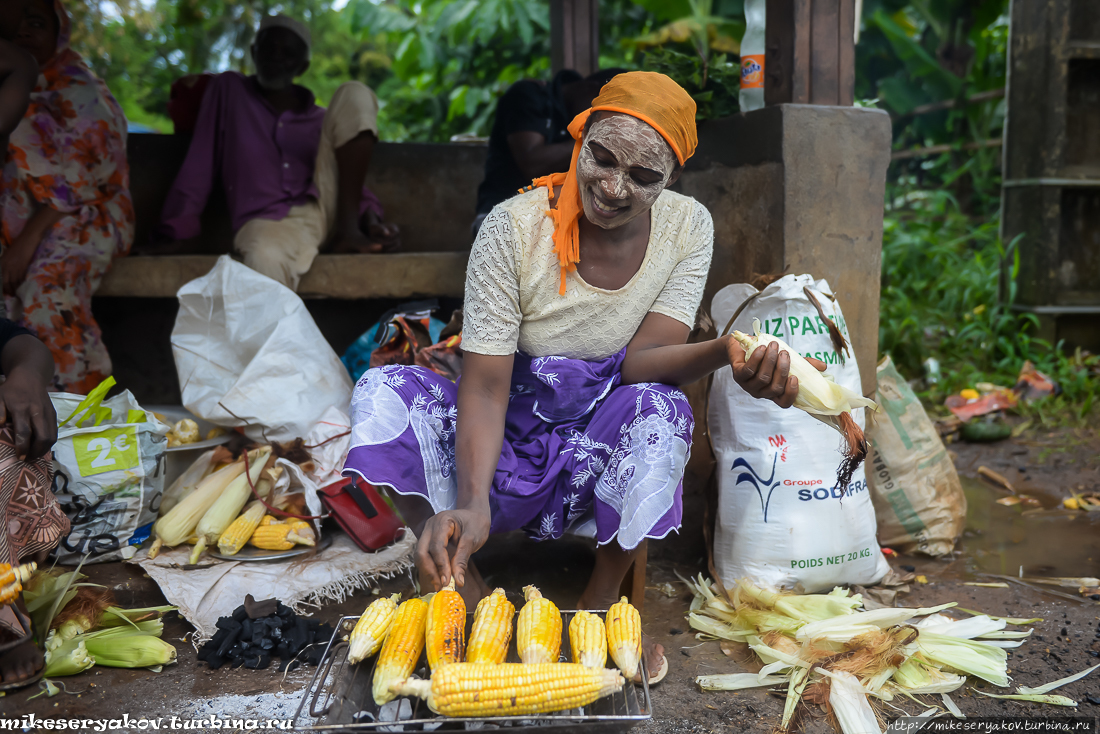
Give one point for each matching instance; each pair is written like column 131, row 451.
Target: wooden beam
column 575, row 35
column 810, row 52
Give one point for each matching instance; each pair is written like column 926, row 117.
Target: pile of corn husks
column 826, row 651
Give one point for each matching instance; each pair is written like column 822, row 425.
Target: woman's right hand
column 447, row 542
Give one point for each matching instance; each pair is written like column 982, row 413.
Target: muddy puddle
column 1042, row 541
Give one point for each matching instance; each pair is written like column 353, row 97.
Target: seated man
column 292, row 172
column 529, row 137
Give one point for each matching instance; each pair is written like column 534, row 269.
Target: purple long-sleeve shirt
column 265, row 158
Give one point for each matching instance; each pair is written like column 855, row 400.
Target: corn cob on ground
column 487, row 689
column 538, row 629
column 492, row 630
column 401, row 650
column 445, row 633
column 624, row 637
column 588, row 640
column 12, row 580
column 371, row 629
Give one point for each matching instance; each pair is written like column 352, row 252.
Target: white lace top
column 512, row 282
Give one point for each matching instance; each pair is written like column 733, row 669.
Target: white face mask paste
column 613, row 188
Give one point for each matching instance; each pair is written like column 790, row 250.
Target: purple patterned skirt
column 582, row 453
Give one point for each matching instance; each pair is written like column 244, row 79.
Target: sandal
column 28, row 636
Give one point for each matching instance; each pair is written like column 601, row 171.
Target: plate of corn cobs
column 425, row 661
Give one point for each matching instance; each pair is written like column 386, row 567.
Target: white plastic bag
column 109, row 473
column 781, row 521
column 249, row 354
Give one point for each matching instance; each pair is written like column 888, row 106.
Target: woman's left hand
column 25, row 405
column 765, row 373
column 15, row 262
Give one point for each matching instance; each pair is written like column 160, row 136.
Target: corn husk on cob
column 228, row 505
column 822, row 398
column 624, row 637
column 509, row 689
column 823, row 642
column 372, row 628
column 401, row 649
column 179, row 524
column 240, row 531
column 588, row 640
column 492, row 629
column 538, row 629
column 186, row 483
column 12, row 580
column 445, row 633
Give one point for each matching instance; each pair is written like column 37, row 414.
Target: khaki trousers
column 284, row 249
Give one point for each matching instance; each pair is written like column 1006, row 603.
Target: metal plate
column 252, row 553
column 175, row 413
column 339, row 698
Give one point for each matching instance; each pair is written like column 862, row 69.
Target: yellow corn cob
column 445, row 632
column 371, row 629
column 402, row 649
column 624, row 637
column 238, row 533
column 269, row 520
column 588, row 639
column 485, row 689
column 12, row 580
column 226, row 508
column 538, row 630
column 492, row 630
column 179, row 523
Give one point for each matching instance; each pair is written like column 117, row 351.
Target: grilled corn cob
column 283, row 536
column 12, row 580
column 401, row 650
column 538, row 630
column 588, row 639
column 445, row 633
column 485, row 689
column 492, row 630
column 371, row 629
column 179, row 523
column 624, row 637
column 226, row 508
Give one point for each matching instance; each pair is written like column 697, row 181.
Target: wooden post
column 810, row 52
column 575, row 35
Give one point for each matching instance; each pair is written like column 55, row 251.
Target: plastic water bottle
column 752, row 56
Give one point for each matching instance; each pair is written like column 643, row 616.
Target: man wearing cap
column 292, row 171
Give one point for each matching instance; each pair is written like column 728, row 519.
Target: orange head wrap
column 655, row 100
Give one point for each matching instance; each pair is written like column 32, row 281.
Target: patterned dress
column 69, row 153
column 582, row 452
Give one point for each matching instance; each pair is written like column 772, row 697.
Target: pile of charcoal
column 258, row 631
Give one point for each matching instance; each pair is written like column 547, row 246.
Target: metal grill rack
column 339, row 698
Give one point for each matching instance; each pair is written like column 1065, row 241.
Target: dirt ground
column 999, row 540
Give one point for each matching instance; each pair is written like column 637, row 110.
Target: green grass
column 940, row 299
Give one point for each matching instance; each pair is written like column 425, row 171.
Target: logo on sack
column 760, row 484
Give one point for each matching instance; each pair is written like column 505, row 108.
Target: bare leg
column 352, row 161
column 612, row 563
column 416, row 510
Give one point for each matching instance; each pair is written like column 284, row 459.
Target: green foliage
column 715, row 94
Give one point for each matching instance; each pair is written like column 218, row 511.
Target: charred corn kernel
column 492, row 630
column 445, row 632
column 624, row 637
column 487, row 689
column 371, row 629
column 401, row 650
column 12, row 580
column 538, row 629
column 588, row 640
column 237, row 534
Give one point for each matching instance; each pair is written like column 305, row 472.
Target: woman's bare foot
column 23, row 661
column 653, row 652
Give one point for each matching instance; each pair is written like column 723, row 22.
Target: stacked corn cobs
column 820, row 648
column 470, row 678
column 210, row 505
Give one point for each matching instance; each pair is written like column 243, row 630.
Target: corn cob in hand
column 445, row 635
column 588, row 639
column 492, row 630
column 510, row 689
column 401, row 650
column 12, row 580
column 624, row 637
column 538, row 629
column 371, row 629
